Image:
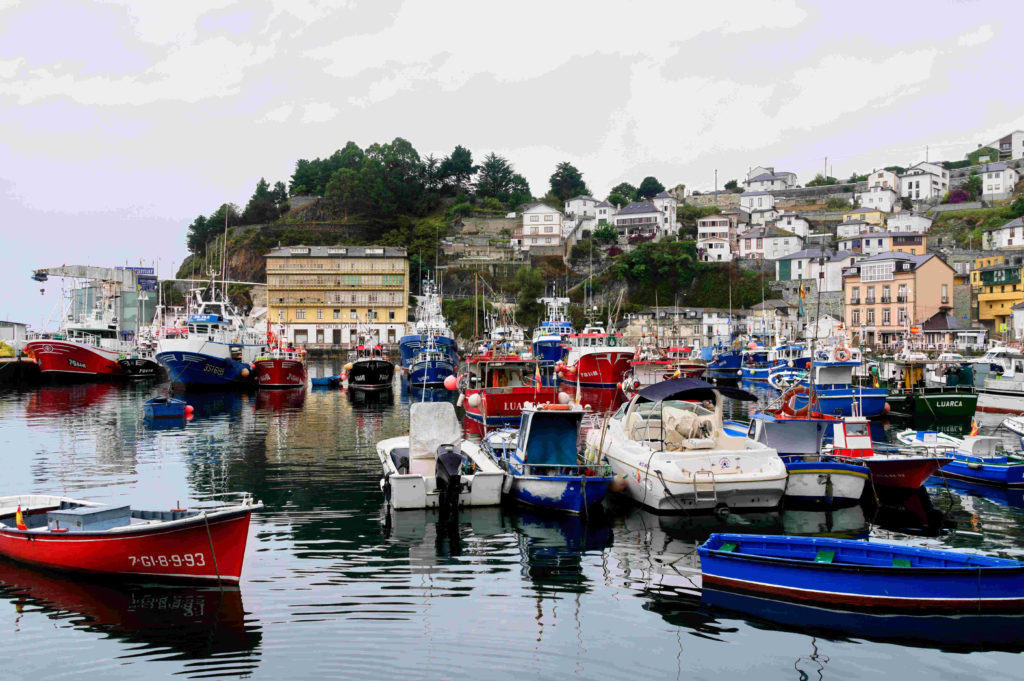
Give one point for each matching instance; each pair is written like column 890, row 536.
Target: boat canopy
column 550, row 437
column 691, row 389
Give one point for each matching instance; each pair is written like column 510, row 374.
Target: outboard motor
column 449, row 479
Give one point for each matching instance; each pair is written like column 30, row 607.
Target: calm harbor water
column 336, row 586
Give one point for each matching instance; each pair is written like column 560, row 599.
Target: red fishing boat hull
column 71, row 360
column 604, row 369
column 902, row 472
column 505, row 408
column 188, row 551
column 280, row 373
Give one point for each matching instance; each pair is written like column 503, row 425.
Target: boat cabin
column 681, row 414
column 548, row 439
column 593, row 336
column 852, row 437
column 501, row 373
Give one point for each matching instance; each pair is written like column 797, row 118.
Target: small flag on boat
column 536, row 374
column 579, row 397
column 19, row 520
column 974, row 427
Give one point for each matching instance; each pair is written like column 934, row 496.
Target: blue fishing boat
column 834, row 391
column 725, row 363
column 542, row 461
column 325, row 381
column 549, row 339
column 976, row 458
column 217, row 348
column 760, row 365
column 165, row 408
column 861, row 575
column 427, row 338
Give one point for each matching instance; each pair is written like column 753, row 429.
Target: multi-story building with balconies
column 888, row 293
column 328, row 295
column 999, row 289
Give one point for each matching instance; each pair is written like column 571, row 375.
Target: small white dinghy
column 434, row 466
column 1014, row 424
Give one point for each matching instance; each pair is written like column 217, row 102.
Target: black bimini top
column 691, row 389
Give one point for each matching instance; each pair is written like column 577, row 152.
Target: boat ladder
column 704, row 488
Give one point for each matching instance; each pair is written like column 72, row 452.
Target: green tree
column 1017, row 208
column 519, row 192
column 836, row 203
column 303, row 180
column 495, row 178
column 457, row 170
column 973, row 185
column 567, row 182
column 198, row 233
column 854, row 177
column 732, row 186
column 822, row 181
column 606, row 234
column 262, row 206
column 975, row 156
column 689, row 213
column 649, row 187
column 346, row 192
column 529, row 286
column 622, row 194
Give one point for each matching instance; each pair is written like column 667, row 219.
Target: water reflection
column 906, row 512
column 552, row 547
column 361, row 397
column 169, row 623
column 279, row 401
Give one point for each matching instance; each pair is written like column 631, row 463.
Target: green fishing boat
column 910, row 396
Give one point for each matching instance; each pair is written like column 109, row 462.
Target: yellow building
column 872, row 216
column 982, row 263
column 999, row 289
column 327, row 295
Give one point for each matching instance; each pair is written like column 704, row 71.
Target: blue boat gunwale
column 1003, row 566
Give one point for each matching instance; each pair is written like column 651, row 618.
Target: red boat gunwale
column 204, row 545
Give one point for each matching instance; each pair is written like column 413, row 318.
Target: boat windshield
column 857, row 429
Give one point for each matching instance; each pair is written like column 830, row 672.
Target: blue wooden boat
column 976, row 458
column 861, row 575
column 326, row 381
column 544, row 469
column 165, row 408
column 960, row 632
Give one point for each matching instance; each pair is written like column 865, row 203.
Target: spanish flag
column 19, row 519
column 803, row 293
column 974, row 427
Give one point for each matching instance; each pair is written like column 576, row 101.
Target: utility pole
column 716, row 186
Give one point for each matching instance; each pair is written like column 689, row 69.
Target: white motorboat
column 434, row 466
column 670, row 453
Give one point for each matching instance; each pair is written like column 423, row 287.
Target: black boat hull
column 371, row 374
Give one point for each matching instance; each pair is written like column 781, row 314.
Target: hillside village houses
column 764, row 178
column 908, row 221
column 924, row 182
column 716, row 235
column 791, row 222
column 873, row 243
column 808, row 264
column 885, row 179
column 1010, row 147
column 997, row 181
column 541, row 225
column 882, row 198
column 768, row 243
column 1009, row 235
column 874, row 216
column 886, row 294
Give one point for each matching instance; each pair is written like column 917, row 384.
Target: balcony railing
column 869, row 301
column 886, row 299
column 901, row 299
column 854, row 301
column 945, row 300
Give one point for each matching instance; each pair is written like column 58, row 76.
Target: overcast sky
column 122, row 121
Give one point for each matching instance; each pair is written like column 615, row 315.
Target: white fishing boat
column 1001, row 388
column 670, row 453
column 434, row 466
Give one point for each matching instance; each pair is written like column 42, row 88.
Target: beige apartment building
column 328, row 295
column 888, row 294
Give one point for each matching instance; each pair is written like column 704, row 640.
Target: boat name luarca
column 949, row 403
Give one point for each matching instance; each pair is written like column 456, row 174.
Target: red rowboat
column 177, row 544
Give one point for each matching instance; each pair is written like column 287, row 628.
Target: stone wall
column 831, row 301
column 721, row 199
